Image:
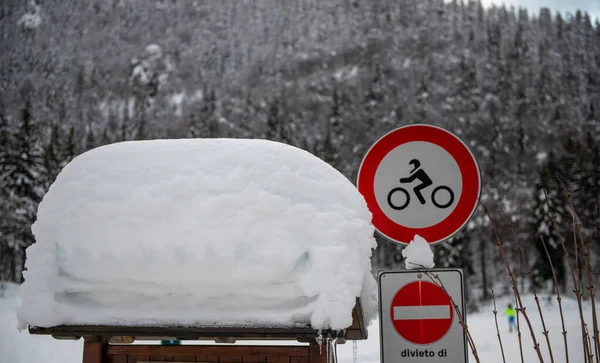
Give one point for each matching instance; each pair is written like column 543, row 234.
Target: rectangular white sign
column 417, row 322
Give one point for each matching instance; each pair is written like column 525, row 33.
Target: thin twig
column 576, row 225
column 530, row 276
column 519, row 336
column 497, row 328
column 586, row 248
column 511, row 276
column 461, row 319
column 588, row 341
column 559, row 299
column 587, row 346
column 577, row 291
column 588, row 270
column 591, row 286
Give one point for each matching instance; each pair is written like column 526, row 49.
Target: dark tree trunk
column 484, row 282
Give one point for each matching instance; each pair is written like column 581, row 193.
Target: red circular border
column 471, row 177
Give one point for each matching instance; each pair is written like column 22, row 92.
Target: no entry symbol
column 421, row 312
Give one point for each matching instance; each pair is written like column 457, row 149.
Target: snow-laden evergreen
column 327, row 76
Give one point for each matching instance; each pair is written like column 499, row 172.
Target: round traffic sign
column 420, row 179
column 421, row 312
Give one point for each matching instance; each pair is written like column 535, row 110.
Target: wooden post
column 92, row 349
column 318, row 354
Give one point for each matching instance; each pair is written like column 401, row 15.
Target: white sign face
column 393, row 190
column 418, row 322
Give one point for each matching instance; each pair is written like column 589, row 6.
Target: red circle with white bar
column 435, row 148
column 421, row 312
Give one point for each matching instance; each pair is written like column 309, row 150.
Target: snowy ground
column 21, row 347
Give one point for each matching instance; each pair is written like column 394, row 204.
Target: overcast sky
column 564, row 6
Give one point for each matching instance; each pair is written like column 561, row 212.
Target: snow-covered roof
column 199, row 232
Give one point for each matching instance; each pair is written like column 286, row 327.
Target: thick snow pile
column 418, row 254
column 199, row 232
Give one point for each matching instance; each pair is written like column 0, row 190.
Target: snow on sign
column 418, row 322
column 420, row 179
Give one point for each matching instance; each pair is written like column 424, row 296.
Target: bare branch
column 577, row 276
column 559, row 299
column 511, row 276
column 497, row 328
column 519, row 330
column 530, row 276
column 461, row 319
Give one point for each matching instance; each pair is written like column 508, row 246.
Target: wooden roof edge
column 357, row 331
column 108, row 330
column 364, row 333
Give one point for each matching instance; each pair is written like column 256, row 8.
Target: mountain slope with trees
column 523, row 90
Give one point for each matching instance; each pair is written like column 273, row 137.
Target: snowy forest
column 331, row 77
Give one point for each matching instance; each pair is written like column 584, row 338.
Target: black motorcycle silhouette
column 425, row 180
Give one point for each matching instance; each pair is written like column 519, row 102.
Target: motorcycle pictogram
column 425, row 180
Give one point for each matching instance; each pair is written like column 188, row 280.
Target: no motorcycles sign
column 420, row 179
